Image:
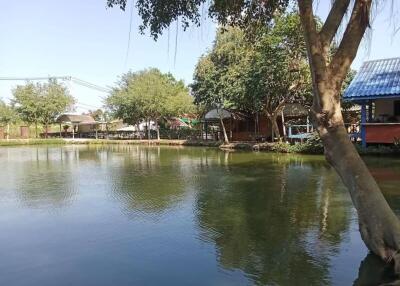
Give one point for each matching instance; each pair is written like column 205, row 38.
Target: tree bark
column 8, row 131
column 140, row 133
column 46, row 131
column 36, row 129
column 148, row 130
column 158, row 130
column 226, row 139
column 379, row 226
column 274, row 125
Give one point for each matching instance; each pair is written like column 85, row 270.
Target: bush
column 313, row 145
column 379, row 150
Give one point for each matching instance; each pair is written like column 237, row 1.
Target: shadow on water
column 373, row 271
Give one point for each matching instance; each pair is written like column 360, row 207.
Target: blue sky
column 86, row 40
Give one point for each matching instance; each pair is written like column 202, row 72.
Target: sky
column 87, row 40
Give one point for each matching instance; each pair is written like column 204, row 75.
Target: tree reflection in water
column 278, row 222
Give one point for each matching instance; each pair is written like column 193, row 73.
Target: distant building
column 376, row 88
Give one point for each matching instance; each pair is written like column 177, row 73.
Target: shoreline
column 276, row 147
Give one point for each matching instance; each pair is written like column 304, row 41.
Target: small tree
column 55, row 100
column 41, row 103
column 260, row 75
column 7, row 116
column 28, row 104
column 148, row 95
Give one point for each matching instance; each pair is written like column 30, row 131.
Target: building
column 376, row 88
column 76, row 124
column 241, row 126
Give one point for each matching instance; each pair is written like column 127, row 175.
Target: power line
column 129, row 34
column 64, row 78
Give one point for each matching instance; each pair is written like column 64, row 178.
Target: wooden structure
column 241, row 126
column 376, row 88
column 80, row 124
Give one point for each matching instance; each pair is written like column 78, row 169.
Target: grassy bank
column 312, row 146
column 18, row 142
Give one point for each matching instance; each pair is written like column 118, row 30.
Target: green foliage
column 157, row 15
column 257, row 76
column 41, row 103
column 97, row 114
column 8, row 114
column 380, row 150
column 149, row 94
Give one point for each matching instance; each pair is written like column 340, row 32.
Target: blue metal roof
column 375, row 79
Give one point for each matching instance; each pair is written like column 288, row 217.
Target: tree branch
column 315, row 52
column 351, row 40
column 332, row 23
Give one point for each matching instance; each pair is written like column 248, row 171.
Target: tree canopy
column 149, row 95
column 41, row 103
column 260, row 76
column 7, row 113
column 158, row 15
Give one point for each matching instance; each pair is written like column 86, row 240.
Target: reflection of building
column 376, row 88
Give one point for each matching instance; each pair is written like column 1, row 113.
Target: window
column 397, row 107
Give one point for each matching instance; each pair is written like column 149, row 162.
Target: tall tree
column 379, row 226
column 41, row 103
column 149, row 95
column 260, row 76
column 55, row 99
column 28, row 104
column 8, row 115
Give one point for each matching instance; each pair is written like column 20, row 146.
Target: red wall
column 382, row 133
column 264, row 130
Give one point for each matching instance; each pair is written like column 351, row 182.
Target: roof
column 75, row 118
column 129, row 128
column 215, row 114
column 295, row 110
column 375, row 79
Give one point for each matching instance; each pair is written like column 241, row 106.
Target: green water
column 127, row 215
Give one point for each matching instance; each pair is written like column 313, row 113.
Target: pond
column 130, row 215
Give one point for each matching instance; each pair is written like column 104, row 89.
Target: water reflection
column 232, row 218
column 277, row 222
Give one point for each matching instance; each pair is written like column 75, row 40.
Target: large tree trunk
column 226, row 139
column 275, row 128
column 140, row 133
column 379, row 226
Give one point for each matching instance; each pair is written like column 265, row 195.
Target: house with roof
column 243, row 126
column 78, row 124
column 376, row 88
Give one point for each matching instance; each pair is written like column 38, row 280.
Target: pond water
column 129, row 215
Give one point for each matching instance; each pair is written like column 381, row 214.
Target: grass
column 18, row 142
